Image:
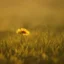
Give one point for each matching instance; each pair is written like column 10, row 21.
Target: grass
column 40, row 47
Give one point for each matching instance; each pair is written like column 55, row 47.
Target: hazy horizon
column 14, row 13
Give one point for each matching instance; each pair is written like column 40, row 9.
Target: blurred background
column 30, row 13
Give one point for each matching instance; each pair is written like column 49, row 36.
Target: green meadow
column 42, row 46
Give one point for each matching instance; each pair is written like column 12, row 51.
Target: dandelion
column 23, row 31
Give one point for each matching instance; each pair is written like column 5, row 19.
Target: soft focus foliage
column 42, row 46
column 44, row 23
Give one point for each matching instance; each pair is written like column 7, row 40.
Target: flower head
column 23, row 31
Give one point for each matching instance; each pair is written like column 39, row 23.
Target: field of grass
column 40, row 47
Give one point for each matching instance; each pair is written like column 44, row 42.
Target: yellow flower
column 23, row 31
